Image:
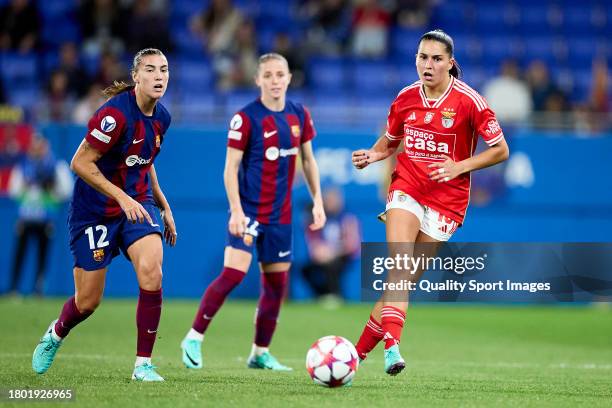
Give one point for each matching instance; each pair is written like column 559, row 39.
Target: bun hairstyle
column 441, row 37
column 121, row 86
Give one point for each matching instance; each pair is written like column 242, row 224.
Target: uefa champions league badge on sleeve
column 108, row 124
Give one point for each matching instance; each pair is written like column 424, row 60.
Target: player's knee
column 149, row 274
column 88, row 303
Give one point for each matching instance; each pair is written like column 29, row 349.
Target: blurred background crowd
column 538, row 63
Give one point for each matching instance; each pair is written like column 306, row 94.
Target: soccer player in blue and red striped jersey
column 113, row 208
column 264, row 140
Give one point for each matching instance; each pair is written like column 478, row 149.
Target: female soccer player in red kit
column 437, row 120
column 113, row 209
column 264, row 139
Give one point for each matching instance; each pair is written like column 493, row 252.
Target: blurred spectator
column 332, row 248
column 110, row 70
column 542, row 87
column 370, row 29
column 412, row 14
column 599, row 87
column 3, row 99
column 39, row 183
column 285, row 47
column 217, row 25
column 237, row 67
column 88, row 105
column 508, row 95
column 329, row 26
column 19, row 26
column 58, row 103
column 102, row 26
column 70, row 64
column 139, row 33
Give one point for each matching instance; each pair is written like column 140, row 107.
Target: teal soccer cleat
column 44, row 353
column 266, row 361
column 146, row 373
column 192, row 353
column 394, row 363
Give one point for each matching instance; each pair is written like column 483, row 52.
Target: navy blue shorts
column 274, row 242
column 94, row 242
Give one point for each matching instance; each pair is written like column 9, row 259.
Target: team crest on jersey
column 108, row 124
column 295, row 130
column 412, row 117
column 248, row 239
column 157, row 141
column 98, row 255
column 429, row 117
column 448, row 118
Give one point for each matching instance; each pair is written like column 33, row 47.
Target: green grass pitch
column 457, row 355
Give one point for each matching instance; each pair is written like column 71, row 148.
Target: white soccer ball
column 332, row 361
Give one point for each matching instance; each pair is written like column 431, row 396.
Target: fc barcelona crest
column 295, row 130
column 428, row 117
column 448, row 118
column 98, row 255
column 157, row 141
column 248, row 239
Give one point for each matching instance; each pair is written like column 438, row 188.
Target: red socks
column 371, row 335
column 214, row 296
column 69, row 318
column 392, row 325
column 148, row 313
column 273, row 290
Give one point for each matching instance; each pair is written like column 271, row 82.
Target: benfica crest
column 448, row 118
column 98, row 255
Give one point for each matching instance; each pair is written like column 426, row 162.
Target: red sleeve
column 309, row 131
column 104, row 128
column 239, row 131
column 487, row 126
column 395, row 126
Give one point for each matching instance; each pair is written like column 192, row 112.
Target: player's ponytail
column 442, row 37
column 116, row 88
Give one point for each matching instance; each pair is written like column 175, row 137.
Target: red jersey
column 431, row 130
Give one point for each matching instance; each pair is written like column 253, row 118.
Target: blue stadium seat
column 26, row 96
column 187, row 42
column 56, row 9
column 59, row 30
column 374, row 76
column 236, row 100
column 192, row 75
column 327, row 73
column 18, row 70
column 404, row 42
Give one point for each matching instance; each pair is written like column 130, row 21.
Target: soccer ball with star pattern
column 332, row 361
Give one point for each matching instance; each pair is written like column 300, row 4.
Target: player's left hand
column 445, row 171
column 170, row 233
column 318, row 217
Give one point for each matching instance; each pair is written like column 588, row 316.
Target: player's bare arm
column 382, row 149
column 311, row 172
column 170, row 234
column 237, row 222
column 450, row 169
column 84, row 165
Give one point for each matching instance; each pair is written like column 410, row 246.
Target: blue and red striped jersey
column 270, row 141
column 129, row 142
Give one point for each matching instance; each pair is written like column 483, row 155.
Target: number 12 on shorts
column 102, row 242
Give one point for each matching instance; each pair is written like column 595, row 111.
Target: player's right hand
column 237, row 223
column 134, row 211
column 361, row 158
